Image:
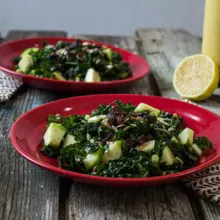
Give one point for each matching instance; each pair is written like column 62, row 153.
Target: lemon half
column 196, row 77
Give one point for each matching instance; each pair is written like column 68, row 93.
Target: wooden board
column 168, row 202
column 164, row 49
column 26, row 191
column 16, row 34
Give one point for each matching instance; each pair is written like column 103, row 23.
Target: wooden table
column 28, row 192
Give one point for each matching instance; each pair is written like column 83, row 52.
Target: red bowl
column 27, row 132
column 8, row 50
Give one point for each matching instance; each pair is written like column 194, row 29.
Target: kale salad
column 123, row 140
column 74, row 61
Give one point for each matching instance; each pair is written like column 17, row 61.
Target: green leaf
column 203, row 143
column 50, row 151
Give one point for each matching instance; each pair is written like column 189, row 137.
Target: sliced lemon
column 196, row 77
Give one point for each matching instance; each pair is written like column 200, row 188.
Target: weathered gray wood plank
column 127, row 43
column 1, row 39
column 164, row 49
column 152, row 203
column 211, row 211
column 17, row 34
column 167, row 202
column 26, row 191
column 205, row 210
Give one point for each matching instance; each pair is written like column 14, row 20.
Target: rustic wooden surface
column 80, row 205
column 164, row 49
column 28, row 192
column 17, row 34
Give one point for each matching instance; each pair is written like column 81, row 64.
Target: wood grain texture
column 18, row 34
column 26, row 191
column 152, row 203
column 167, row 202
column 211, row 211
column 204, row 210
column 164, row 49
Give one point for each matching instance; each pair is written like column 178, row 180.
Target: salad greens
column 75, row 61
column 123, row 140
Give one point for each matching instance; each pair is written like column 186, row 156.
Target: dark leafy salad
column 122, row 140
column 74, row 61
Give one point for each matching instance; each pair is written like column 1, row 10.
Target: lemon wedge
column 196, row 77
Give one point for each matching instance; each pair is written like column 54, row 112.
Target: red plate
column 8, row 50
column 27, row 132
